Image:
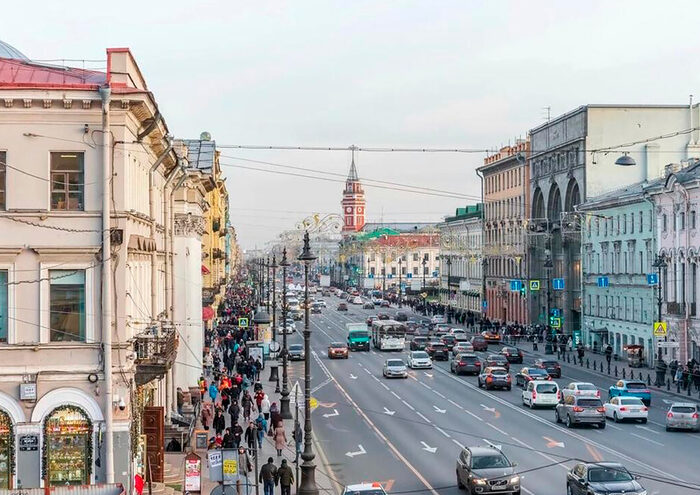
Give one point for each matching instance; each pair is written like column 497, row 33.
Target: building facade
column 618, row 241
column 506, row 187
column 461, row 261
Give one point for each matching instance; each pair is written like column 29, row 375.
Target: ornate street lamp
column 284, row 400
column 400, row 256
column 308, row 468
column 449, row 291
column 660, row 265
column 274, row 372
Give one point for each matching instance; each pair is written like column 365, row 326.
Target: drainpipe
column 105, row 93
column 484, row 263
column 686, row 292
column 167, row 244
column 152, row 213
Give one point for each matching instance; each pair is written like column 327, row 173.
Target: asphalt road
column 407, row 433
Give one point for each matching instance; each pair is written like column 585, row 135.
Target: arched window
column 7, row 451
column 67, row 447
column 554, row 204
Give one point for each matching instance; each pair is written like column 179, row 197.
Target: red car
column 479, row 343
column 337, row 350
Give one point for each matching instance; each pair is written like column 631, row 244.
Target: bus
column 388, row 335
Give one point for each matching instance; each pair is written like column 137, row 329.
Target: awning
column 205, row 270
column 208, row 313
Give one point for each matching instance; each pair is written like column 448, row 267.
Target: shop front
column 7, row 451
column 67, row 449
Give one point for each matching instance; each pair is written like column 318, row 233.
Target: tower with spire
column 353, row 202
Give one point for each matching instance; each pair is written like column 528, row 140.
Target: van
column 541, row 394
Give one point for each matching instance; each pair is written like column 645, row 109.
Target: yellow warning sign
column 230, row 466
column 660, row 329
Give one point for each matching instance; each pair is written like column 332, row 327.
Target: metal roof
column 9, row 51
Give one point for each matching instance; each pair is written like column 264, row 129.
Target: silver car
column 462, row 347
column 682, row 416
column 395, row 368
column 577, row 410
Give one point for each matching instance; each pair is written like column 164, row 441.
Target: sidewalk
column 324, row 477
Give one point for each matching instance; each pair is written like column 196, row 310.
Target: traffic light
column 523, row 290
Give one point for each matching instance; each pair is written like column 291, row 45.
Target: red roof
column 22, row 74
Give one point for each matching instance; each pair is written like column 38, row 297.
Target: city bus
column 388, row 335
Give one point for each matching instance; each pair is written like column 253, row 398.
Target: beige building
column 81, row 359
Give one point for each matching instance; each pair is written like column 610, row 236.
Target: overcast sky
column 432, row 73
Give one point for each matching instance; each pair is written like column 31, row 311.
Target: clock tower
column 353, row 201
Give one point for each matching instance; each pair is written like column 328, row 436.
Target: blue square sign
column 652, row 279
column 603, row 282
column 558, row 284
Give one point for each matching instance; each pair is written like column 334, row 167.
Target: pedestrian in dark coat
column 219, row 422
column 285, row 477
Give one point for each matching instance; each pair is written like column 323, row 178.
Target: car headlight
column 514, row 480
column 479, row 481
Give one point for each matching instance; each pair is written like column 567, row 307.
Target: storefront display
column 68, row 447
column 7, row 450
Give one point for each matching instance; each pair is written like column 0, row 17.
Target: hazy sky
column 469, row 74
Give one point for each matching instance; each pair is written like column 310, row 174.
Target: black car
column 368, row 305
column 513, row 354
column 486, row 470
column 296, row 352
column 342, row 307
column 497, row 360
column 401, row 316
column 418, row 344
column 449, row 341
column 552, row 367
column 465, row 363
column 438, row 351
column 602, row 477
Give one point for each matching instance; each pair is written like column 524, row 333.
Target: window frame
column 11, row 310
column 45, row 302
column 67, row 191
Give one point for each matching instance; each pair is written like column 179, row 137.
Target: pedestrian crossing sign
column 534, row 285
column 660, row 329
column 243, row 322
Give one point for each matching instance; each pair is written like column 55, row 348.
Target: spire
column 352, row 176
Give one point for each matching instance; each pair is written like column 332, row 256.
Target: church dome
column 8, row 51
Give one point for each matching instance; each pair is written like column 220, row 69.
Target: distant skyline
column 455, row 73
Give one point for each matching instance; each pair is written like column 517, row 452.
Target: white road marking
column 497, row 429
column 395, row 395
column 614, row 427
column 442, row 431
column 329, row 415
column 548, row 457
column 390, row 413
column 458, row 443
column 359, row 452
column 647, row 439
column 646, row 428
column 454, row 403
column 428, row 448
column 384, row 385
column 439, row 394
column 438, row 410
column 408, row 405
column 423, row 417
column 426, row 386
column 473, row 415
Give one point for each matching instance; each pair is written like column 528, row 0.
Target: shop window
column 7, row 450
column 3, row 306
column 67, row 181
column 67, row 301
column 67, row 447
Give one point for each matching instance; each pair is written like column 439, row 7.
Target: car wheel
column 601, row 425
column 568, row 490
column 668, row 428
column 615, row 417
column 644, row 421
column 556, row 416
column 508, row 388
column 567, row 422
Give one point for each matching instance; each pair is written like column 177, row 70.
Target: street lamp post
column 267, row 286
column 284, row 399
column 660, row 264
column 449, row 291
column 424, row 263
column 274, row 369
column 548, row 265
column 308, row 468
column 384, row 277
column 399, row 281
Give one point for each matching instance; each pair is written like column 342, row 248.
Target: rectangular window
column 415, row 256
column 67, row 181
column 641, row 221
column 3, row 178
column 393, row 270
column 663, row 222
column 4, row 306
column 383, row 271
column 372, row 270
column 624, row 223
column 415, row 270
column 681, row 221
column 692, row 219
column 425, row 270
column 631, row 223
column 67, row 305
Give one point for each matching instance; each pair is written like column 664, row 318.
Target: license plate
column 496, row 488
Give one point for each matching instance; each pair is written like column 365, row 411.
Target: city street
column 408, row 433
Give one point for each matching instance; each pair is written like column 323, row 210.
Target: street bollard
column 624, row 372
column 678, row 387
column 594, row 366
column 689, row 387
column 668, row 384
column 608, row 368
column 587, row 363
column 615, row 371
column 648, row 379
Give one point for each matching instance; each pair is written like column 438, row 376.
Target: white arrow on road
column 429, row 375
column 387, row 411
column 335, row 413
column 666, row 401
column 428, row 448
column 353, row 376
column 359, row 452
column 441, row 411
column 489, row 409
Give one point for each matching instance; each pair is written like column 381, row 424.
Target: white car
column 581, row 389
column 459, row 334
column 437, row 319
column 287, row 328
column 419, row 359
column 622, row 408
column 462, row 348
column 541, row 394
column 395, row 368
column 364, row 489
column 321, row 303
column 357, row 300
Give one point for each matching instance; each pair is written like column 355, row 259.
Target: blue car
column 631, row 388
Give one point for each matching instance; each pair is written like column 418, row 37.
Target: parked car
column 296, row 352
column 449, row 341
column 602, row 477
column 438, row 351
column 486, row 470
column 338, row 350
column 297, row 314
column 462, row 347
column 419, row 359
column 497, row 360
column 401, row 316
column 395, row 368
column 527, row 375
column 573, row 410
column 342, row 306
column 418, row 343
column 541, row 394
column 631, row 388
column 494, row 377
column 623, row 408
column 581, row 388
column 368, row 305
column 551, row 366
column 513, row 354
column 682, row 416
column 465, row 363
column 479, row 343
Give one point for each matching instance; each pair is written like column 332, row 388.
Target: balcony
column 155, row 349
column 218, row 254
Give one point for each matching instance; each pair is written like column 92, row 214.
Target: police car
column 364, row 489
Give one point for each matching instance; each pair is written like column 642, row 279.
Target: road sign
column 670, row 345
column 558, row 284
column 243, row 322
column 576, row 337
column 371, row 275
column 534, row 285
column 435, row 274
column 603, row 282
column 391, row 275
column 484, row 304
column 516, row 285
column 313, row 403
column 555, row 312
column 555, row 322
column 652, row 279
column 409, row 275
column 660, row 329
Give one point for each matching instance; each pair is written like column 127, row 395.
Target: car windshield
column 589, row 403
column 498, row 359
column 394, row 362
column 631, row 401
column 295, row 347
column 420, row 355
column 490, row 461
column 435, row 345
column 477, row 339
column 636, row 385
column 337, row 345
column 498, row 371
column 549, row 363
column 603, row 474
column 536, row 372
column 365, row 492
column 586, row 386
column 683, row 409
column 510, row 350
column 357, row 334
column 547, row 388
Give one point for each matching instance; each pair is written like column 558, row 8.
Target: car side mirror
column 582, row 481
column 513, row 464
